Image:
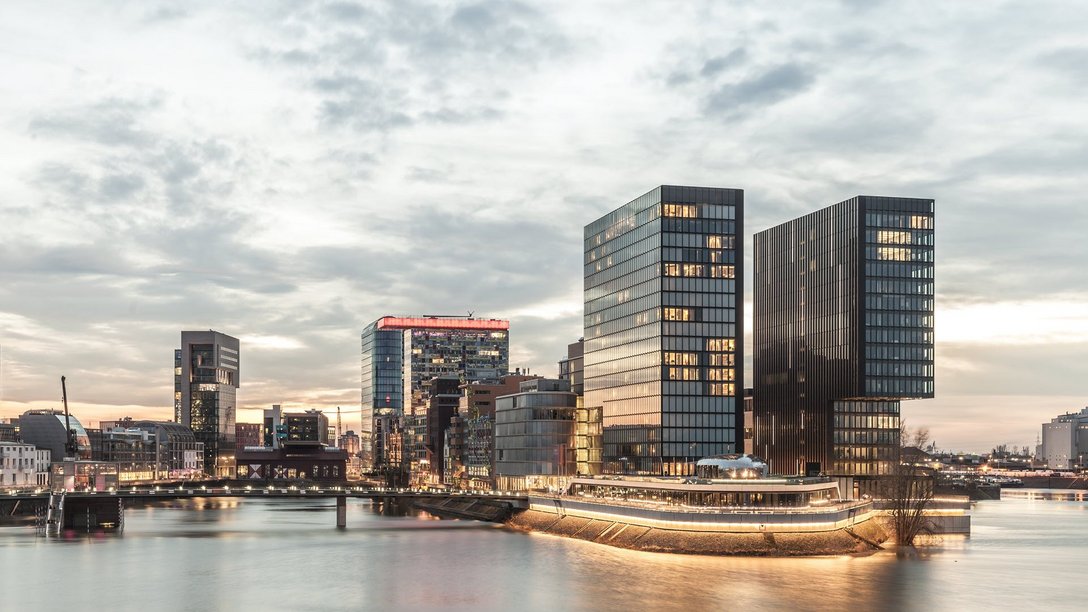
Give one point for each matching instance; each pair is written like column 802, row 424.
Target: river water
column 287, row 555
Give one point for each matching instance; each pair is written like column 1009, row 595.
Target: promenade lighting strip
column 700, row 526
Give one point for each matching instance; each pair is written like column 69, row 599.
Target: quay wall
column 742, row 533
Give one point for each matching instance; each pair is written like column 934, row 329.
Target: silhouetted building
column 663, row 338
column 206, row 380
column 316, row 462
column 843, row 330
column 46, row 429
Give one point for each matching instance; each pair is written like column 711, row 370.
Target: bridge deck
column 152, row 493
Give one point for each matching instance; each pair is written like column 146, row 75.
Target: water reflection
column 287, row 555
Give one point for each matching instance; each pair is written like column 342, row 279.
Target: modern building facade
column 843, row 330
column 48, row 429
column 535, row 435
column 663, row 328
column 206, row 381
column 400, row 353
column 1065, row 441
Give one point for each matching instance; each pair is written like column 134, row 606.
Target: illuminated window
column 693, row 270
column 721, row 359
column 672, row 269
column 683, row 373
column 678, row 314
column 686, row 211
column 684, row 359
column 721, row 389
column 722, row 271
column 719, row 374
column 713, row 242
column 892, row 237
column 720, row 344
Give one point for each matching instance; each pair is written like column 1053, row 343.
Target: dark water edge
column 287, row 555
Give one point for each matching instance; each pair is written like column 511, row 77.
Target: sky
column 289, row 172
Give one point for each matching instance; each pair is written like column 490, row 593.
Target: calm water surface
column 286, row 555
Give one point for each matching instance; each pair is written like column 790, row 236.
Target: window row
column 903, row 237
column 908, row 287
column 699, row 270
column 898, row 302
column 895, row 368
column 899, row 253
column 898, row 336
column 898, row 319
column 899, row 270
column 899, row 352
column 902, row 221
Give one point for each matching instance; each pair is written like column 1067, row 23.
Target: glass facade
column 843, row 329
column 662, row 349
column 535, row 431
column 400, row 353
column 206, row 379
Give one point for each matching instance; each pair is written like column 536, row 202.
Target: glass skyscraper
column 400, row 353
column 663, row 335
column 205, row 394
column 843, row 330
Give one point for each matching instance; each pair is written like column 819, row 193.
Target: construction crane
column 69, row 440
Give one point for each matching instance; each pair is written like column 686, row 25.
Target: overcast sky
column 287, row 173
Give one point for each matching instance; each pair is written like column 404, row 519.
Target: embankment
column 863, row 536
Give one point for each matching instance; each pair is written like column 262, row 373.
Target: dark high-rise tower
column 663, row 328
column 843, row 330
column 205, row 394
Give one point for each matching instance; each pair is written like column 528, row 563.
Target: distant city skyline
column 287, row 174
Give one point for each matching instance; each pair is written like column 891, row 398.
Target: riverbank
column 863, row 536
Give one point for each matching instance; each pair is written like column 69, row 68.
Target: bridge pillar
column 341, row 512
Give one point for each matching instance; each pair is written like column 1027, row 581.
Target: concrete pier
column 341, row 512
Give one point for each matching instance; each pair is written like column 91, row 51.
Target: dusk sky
column 287, row 173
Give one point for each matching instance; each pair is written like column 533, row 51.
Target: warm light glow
column 441, row 323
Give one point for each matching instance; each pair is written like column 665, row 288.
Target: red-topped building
column 399, row 353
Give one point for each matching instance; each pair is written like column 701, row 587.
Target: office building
column 535, row 436
column 48, row 429
column 663, row 317
column 1065, row 441
column 206, row 380
column 400, row 353
column 843, row 330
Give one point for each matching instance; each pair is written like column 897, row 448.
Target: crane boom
column 69, row 442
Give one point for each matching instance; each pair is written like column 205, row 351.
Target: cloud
column 759, row 91
column 293, row 171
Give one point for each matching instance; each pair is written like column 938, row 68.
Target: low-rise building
column 23, row 466
column 1065, row 441
column 535, row 436
column 248, row 434
column 318, row 463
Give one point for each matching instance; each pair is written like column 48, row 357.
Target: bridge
column 104, row 510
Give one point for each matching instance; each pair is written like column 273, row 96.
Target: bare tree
column 908, row 489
